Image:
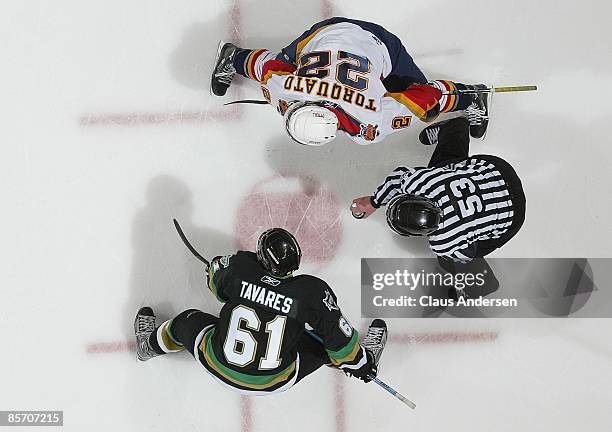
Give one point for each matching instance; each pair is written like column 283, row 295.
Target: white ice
column 86, row 233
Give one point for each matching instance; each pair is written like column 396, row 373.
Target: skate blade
column 210, row 90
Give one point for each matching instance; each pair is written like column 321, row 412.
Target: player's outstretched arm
column 364, row 206
column 391, row 187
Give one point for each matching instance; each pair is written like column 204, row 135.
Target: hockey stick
column 374, row 378
column 248, row 101
column 493, row 90
column 191, row 248
column 394, row 392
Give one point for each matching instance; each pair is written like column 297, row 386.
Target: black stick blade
column 186, row 242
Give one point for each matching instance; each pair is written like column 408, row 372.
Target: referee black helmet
column 411, row 215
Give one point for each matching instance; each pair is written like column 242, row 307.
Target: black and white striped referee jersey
column 475, row 198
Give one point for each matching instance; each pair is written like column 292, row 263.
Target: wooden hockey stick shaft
column 394, row 392
column 375, row 379
column 494, row 90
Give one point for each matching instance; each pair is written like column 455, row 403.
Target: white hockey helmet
column 311, row 124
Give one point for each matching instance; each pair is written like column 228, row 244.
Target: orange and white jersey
column 342, row 66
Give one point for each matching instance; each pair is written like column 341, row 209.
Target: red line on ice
column 246, row 421
column 158, row 118
column 405, row 338
column 110, row 347
column 443, row 337
column 339, row 380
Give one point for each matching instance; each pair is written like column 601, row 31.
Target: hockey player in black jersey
column 260, row 344
column 467, row 206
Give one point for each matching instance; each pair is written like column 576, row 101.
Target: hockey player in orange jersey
column 350, row 76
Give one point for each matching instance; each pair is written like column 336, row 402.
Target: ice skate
column 376, row 339
column 224, row 71
column 478, row 113
column 144, row 325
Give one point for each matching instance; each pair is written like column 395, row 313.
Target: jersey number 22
column 350, row 71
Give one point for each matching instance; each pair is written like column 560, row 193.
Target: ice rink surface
column 108, row 132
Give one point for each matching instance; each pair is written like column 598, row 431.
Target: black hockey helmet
column 411, row 215
column 278, row 252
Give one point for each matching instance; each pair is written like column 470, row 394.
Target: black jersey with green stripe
column 254, row 345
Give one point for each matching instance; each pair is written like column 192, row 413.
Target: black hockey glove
column 366, row 372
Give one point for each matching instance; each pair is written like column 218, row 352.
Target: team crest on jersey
column 224, row 260
column 270, row 280
column 330, row 302
column 368, row 132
